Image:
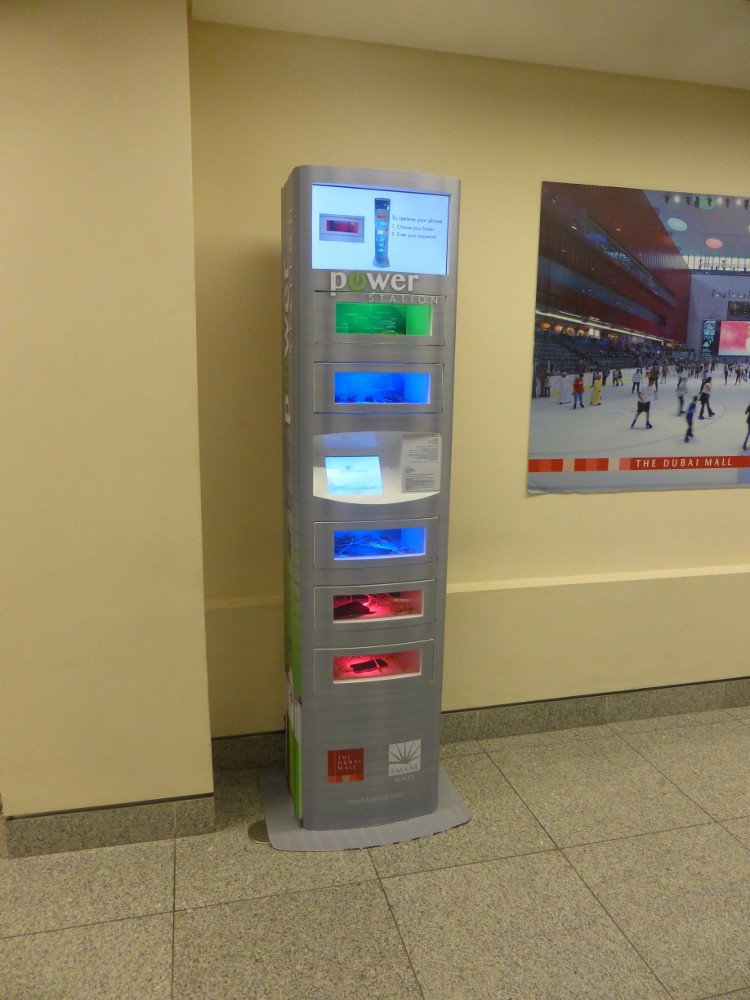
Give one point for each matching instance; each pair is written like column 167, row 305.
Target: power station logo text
column 358, row 281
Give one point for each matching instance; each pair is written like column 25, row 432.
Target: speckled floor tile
column 743, row 714
column 523, row 928
column 711, row 764
column 229, row 865
column 500, row 825
column 531, row 741
column 595, row 789
column 107, row 883
column 671, row 721
column 460, row 749
column 327, row 944
column 737, row 995
column 740, row 828
column 683, row 898
column 123, row 960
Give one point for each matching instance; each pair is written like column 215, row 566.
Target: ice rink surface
column 559, row 431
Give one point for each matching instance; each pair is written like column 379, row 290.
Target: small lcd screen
column 385, row 543
column 734, row 338
column 383, row 388
column 379, row 318
column 353, row 474
column 341, row 226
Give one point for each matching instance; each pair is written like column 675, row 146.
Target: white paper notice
column 420, row 463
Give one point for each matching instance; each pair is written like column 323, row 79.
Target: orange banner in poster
column 591, row 465
column 661, row 463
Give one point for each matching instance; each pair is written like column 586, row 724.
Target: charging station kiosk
column 369, row 303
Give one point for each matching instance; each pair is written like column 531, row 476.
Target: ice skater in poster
column 705, row 398
column 689, row 417
column 747, row 436
column 681, row 391
column 644, row 406
column 578, row 391
column 596, row 389
column 564, row 387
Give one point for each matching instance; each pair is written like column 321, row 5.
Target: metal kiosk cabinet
column 369, row 299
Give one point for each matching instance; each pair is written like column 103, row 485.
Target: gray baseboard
column 236, row 753
column 77, row 830
column 594, row 710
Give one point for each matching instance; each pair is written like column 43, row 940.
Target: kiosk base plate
column 286, row 834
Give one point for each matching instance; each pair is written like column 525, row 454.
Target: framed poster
column 641, row 375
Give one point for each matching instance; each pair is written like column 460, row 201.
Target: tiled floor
column 601, row 863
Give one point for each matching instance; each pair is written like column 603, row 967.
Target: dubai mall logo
column 403, row 758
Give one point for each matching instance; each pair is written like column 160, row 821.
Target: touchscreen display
column 364, row 229
column 358, row 474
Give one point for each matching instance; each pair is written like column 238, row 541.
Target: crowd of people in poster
column 645, row 380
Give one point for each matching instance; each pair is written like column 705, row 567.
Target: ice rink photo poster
column 641, row 377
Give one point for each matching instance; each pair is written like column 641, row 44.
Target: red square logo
column 346, row 765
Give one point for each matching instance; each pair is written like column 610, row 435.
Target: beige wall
column 549, row 596
column 103, row 684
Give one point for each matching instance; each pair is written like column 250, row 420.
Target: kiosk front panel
column 369, row 262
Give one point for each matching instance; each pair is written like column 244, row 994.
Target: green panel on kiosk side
column 294, row 771
column 382, row 318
